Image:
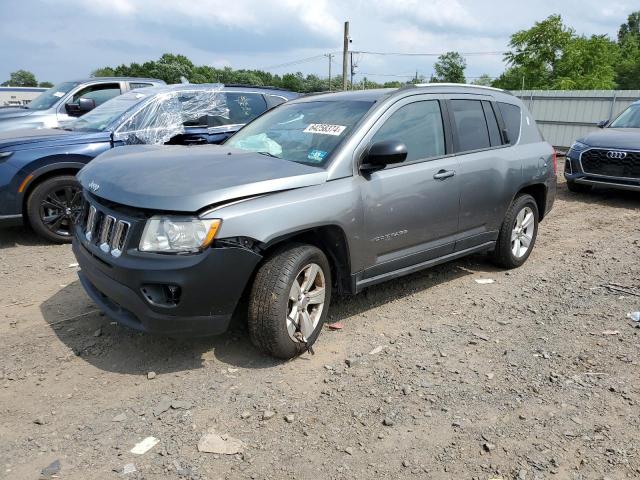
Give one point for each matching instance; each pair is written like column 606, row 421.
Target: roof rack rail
column 247, row 85
column 458, row 85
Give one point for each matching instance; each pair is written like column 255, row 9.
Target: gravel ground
column 433, row 375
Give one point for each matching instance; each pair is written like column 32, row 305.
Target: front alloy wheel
column 54, row 206
column 289, row 300
column 306, row 303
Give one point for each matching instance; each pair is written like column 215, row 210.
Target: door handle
column 443, row 174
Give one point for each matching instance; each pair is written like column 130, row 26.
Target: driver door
column 411, row 209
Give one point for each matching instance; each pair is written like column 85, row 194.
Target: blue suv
column 38, row 167
column 609, row 157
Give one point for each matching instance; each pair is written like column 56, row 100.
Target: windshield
column 48, row 98
column 306, row 132
column 98, row 119
column 630, row 118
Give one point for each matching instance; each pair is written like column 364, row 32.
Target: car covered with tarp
column 38, row 167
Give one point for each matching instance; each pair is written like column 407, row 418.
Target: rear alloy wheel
column 54, row 206
column 289, row 301
column 518, row 233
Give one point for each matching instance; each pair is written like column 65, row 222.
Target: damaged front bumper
column 176, row 295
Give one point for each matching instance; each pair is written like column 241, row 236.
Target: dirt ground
column 534, row 376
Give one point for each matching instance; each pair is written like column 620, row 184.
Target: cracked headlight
column 172, row 234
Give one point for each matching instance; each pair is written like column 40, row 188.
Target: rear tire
column 285, row 319
column 518, row 233
column 53, row 206
column 578, row 187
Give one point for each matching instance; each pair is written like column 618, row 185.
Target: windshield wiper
column 268, row 154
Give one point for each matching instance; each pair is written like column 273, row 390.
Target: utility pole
column 330, row 57
column 353, row 69
column 345, row 55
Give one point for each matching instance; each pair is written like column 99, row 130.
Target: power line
column 410, row 54
column 295, row 62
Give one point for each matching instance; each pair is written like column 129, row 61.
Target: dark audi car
column 38, row 167
column 609, row 157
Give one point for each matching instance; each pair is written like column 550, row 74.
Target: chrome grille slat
column 118, row 238
column 104, row 230
column 105, row 233
column 91, row 219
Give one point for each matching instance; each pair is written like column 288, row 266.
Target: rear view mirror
column 603, row 123
column 382, row 154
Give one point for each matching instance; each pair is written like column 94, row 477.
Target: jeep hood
column 614, row 138
column 187, row 179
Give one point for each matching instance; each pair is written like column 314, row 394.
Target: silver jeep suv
column 330, row 192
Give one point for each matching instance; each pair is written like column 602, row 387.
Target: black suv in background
column 608, row 158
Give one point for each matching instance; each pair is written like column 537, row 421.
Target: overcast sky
column 66, row 39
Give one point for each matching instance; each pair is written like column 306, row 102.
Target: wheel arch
column 539, row 193
column 332, row 240
column 45, row 173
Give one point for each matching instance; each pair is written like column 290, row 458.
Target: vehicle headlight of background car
column 579, row 146
column 175, row 234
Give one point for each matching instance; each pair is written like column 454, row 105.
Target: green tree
column 631, row 28
column 586, row 64
column 103, row 72
column 484, row 80
column 628, row 66
column 21, row 78
column 45, row 84
column 536, row 51
column 450, row 68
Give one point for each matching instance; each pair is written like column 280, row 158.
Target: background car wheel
column 53, row 206
column 289, row 301
column 518, row 233
column 578, row 187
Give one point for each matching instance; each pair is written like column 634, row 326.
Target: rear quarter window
column 512, row 116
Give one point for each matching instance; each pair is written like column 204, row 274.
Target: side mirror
column 603, row 123
column 86, row 105
column 83, row 106
column 382, row 154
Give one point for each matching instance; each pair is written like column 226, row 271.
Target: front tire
column 578, row 187
column 518, row 233
column 53, row 206
column 289, row 301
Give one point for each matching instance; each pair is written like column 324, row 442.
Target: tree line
column 24, row 78
column 549, row 55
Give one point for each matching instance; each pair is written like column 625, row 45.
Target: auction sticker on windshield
column 325, row 129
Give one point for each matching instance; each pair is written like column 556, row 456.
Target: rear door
column 486, row 169
column 411, row 208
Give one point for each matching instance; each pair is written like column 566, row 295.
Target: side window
column 419, row 126
column 244, row 107
column 492, row 123
column 470, row 124
column 99, row 93
column 512, row 117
